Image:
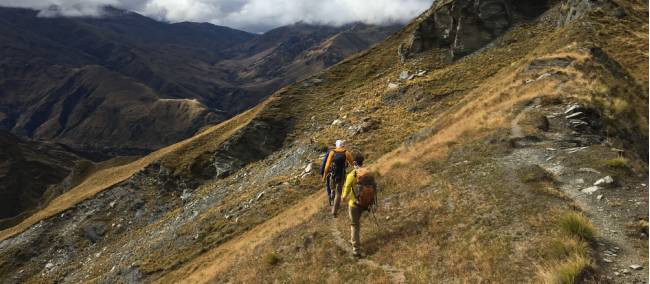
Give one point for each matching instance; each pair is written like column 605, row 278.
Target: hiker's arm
column 327, row 164
column 348, row 185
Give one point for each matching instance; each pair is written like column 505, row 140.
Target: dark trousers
column 338, row 191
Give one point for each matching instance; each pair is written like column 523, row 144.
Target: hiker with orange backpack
column 335, row 168
column 361, row 188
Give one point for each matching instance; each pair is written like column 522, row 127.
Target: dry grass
column 405, row 179
column 219, row 259
column 566, row 247
column 569, row 253
column 577, row 225
column 640, row 226
column 571, row 271
column 535, row 173
column 551, row 190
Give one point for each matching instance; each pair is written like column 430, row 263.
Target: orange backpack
column 366, row 193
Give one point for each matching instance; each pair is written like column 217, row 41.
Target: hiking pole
column 374, row 217
column 372, row 212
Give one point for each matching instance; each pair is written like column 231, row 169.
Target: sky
column 250, row 15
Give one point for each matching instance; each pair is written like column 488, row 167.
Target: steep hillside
column 69, row 80
column 486, row 158
column 27, row 172
column 33, row 173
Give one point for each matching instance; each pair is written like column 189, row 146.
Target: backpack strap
column 354, row 184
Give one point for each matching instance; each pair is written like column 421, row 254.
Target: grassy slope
column 476, row 222
column 465, row 220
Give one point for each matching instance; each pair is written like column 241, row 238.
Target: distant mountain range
column 127, row 84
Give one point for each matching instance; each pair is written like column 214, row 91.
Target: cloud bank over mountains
column 250, row 15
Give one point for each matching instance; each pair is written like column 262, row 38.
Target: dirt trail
column 206, row 267
column 396, row 274
column 615, row 250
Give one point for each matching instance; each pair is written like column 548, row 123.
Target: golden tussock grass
column 405, row 178
column 572, row 270
column 569, row 253
column 577, row 225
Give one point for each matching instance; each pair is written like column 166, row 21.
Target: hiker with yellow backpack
column 361, row 189
column 335, row 164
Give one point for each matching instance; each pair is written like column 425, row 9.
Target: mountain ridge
column 174, row 61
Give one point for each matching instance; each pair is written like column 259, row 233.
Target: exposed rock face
column 258, row 139
column 255, row 142
column 573, row 9
column 465, row 26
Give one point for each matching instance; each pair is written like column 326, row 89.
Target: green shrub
column 618, row 163
column 272, row 259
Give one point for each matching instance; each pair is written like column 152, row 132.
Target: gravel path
column 621, row 256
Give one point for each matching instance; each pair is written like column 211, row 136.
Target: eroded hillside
column 487, row 165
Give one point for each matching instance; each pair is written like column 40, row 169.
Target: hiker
column 361, row 189
column 328, row 175
column 335, row 166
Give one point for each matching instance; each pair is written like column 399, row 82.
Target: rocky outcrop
column 258, row 140
column 465, row 26
column 572, row 10
column 255, row 141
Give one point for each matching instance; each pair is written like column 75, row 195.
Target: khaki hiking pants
column 338, row 191
column 355, row 227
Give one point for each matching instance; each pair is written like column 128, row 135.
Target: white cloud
column 252, row 15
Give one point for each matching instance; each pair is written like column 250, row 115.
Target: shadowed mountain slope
column 27, row 171
column 69, row 80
